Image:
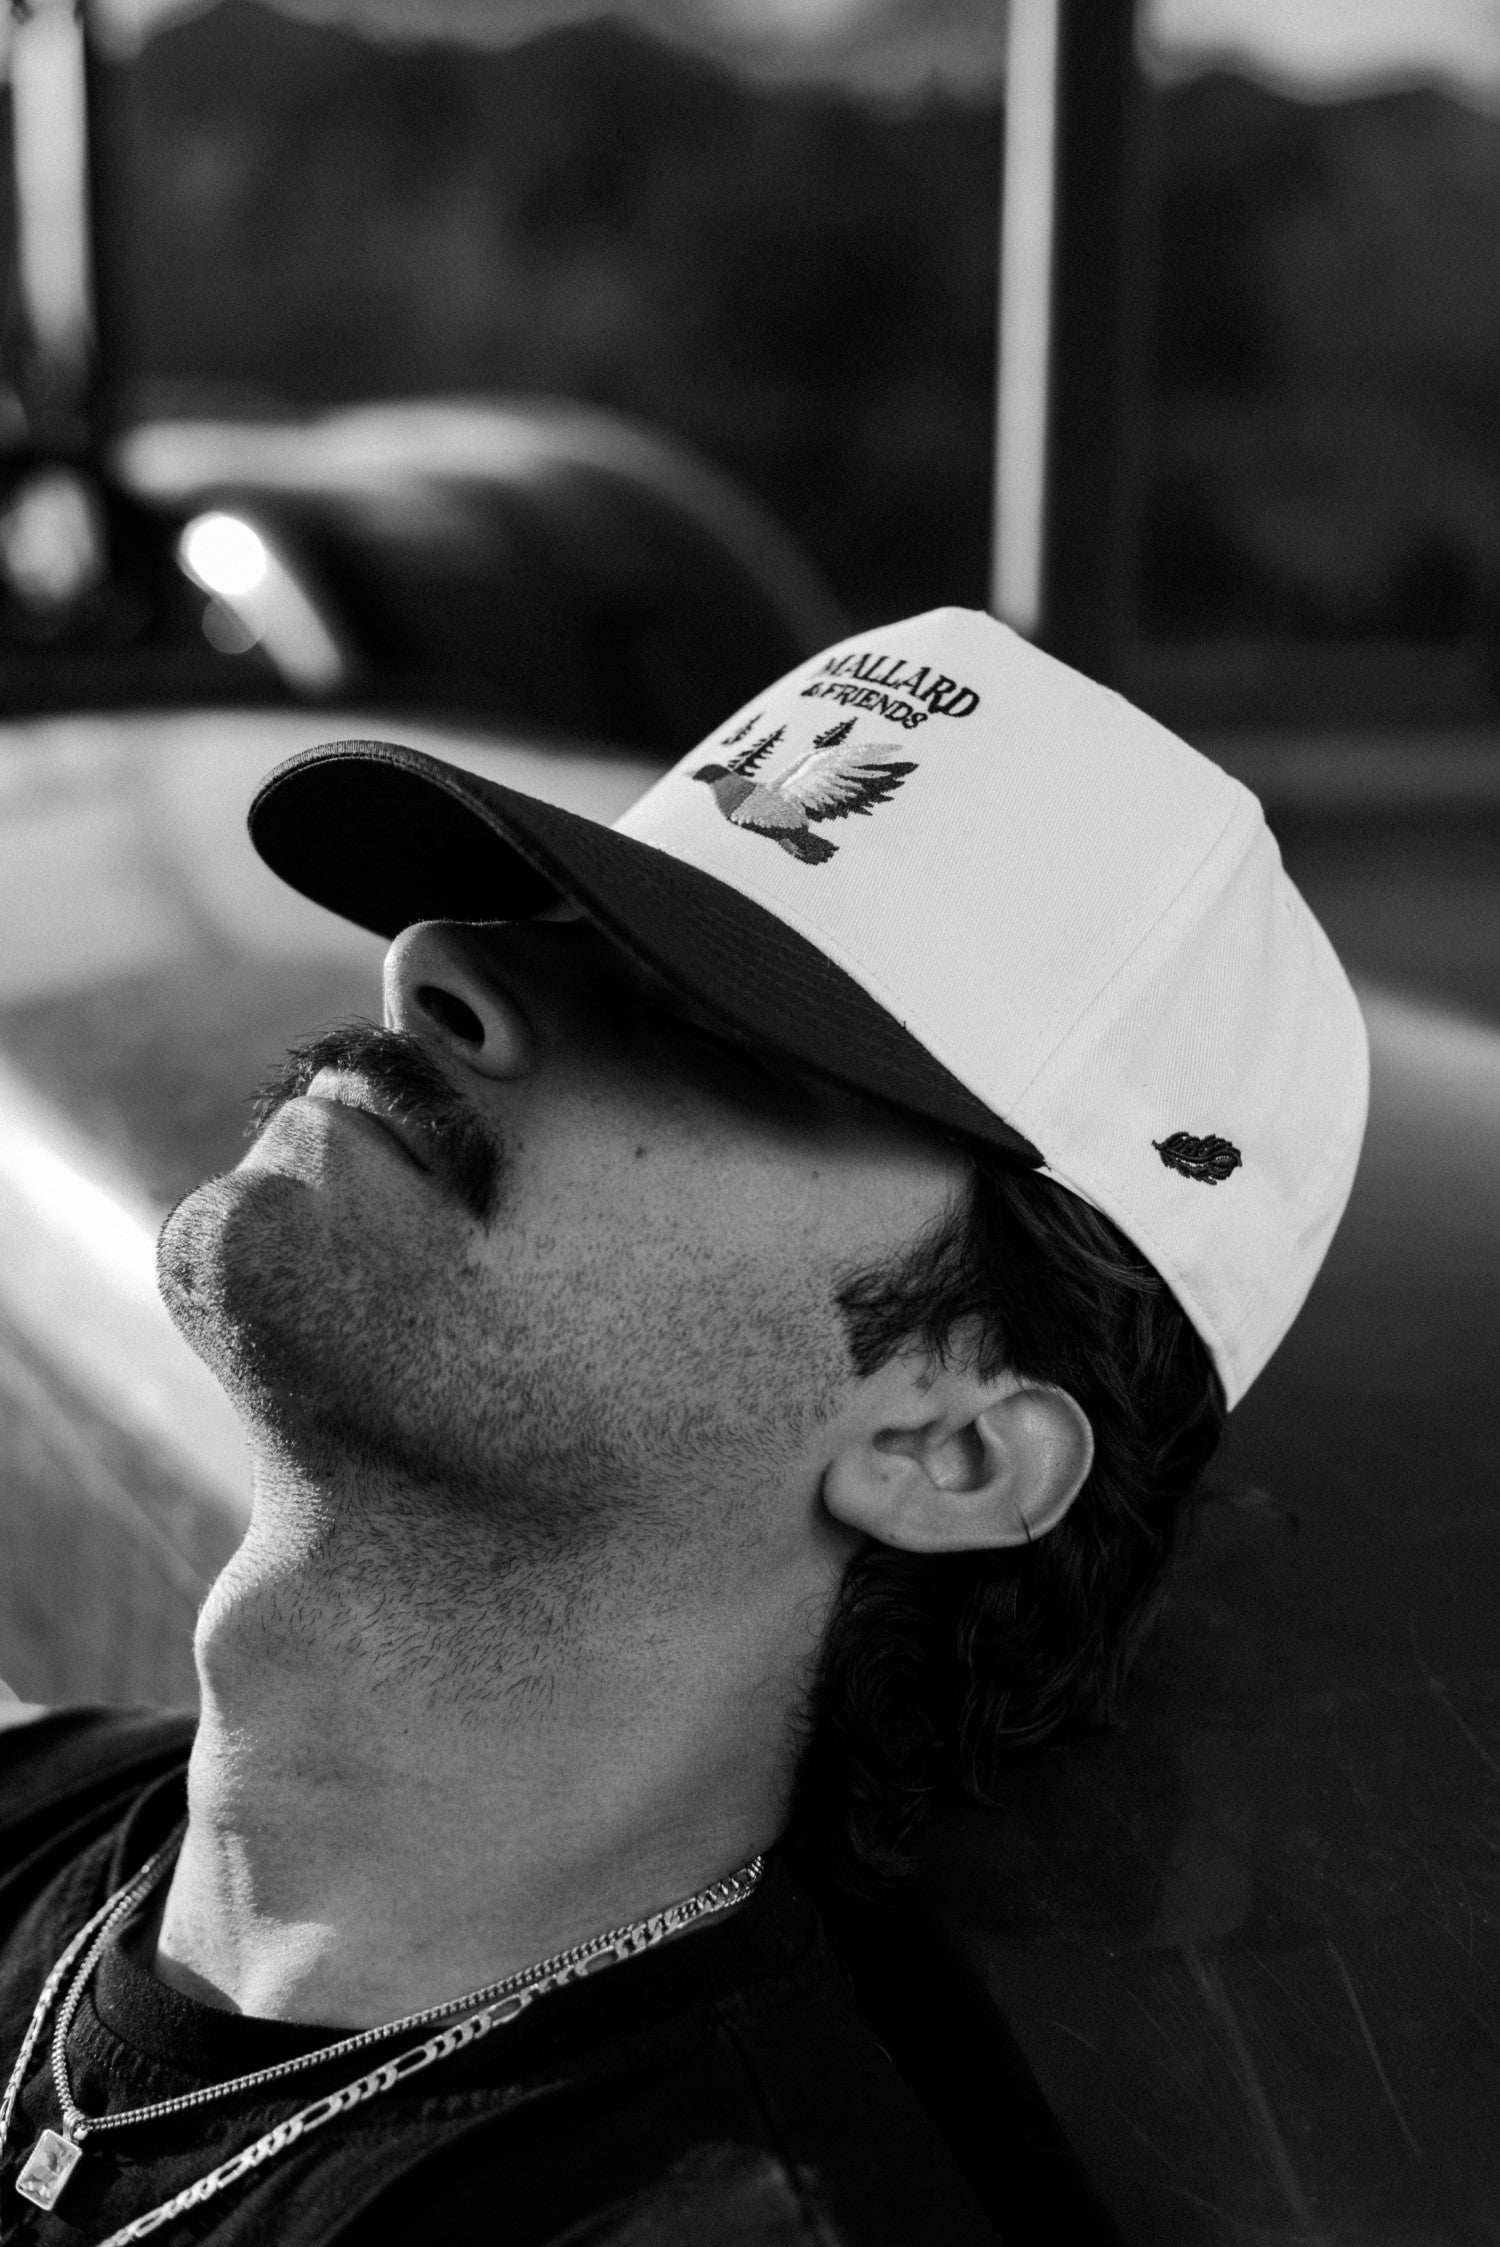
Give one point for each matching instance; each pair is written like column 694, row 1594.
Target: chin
column 240, row 1272
column 295, row 1301
column 190, row 1252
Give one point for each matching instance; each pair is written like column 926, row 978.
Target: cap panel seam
column 1221, row 1339
column 1255, row 825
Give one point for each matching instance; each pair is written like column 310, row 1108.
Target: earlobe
column 992, row 1472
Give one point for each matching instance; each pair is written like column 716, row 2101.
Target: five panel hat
column 949, row 870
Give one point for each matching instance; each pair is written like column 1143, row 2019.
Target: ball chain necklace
column 56, row 2154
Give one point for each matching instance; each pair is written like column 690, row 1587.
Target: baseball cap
column 951, row 871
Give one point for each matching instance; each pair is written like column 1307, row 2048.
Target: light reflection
column 225, row 555
column 258, row 600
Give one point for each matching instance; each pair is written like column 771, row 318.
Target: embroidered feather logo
column 1210, row 1160
column 831, row 781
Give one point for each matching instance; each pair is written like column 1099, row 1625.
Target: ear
column 964, row 1467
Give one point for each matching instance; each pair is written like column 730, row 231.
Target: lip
column 359, row 1102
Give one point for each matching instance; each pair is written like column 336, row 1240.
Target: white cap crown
column 1083, row 920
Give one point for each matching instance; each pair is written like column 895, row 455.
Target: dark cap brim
column 386, row 836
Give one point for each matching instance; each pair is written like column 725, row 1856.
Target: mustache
column 466, row 1156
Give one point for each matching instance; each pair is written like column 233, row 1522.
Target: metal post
column 49, row 110
column 1071, row 301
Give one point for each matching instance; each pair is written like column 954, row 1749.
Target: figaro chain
column 486, row 2009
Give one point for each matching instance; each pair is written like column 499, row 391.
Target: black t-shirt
column 721, row 2091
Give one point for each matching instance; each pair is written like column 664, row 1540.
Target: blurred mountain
column 893, row 48
column 1320, row 50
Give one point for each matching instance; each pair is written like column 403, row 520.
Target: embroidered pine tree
column 741, row 732
column 832, row 780
column 757, row 753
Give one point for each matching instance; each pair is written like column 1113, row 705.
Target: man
column 727, row 1361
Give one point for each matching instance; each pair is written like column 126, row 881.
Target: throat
column 423, row 1764
column 321, row 1885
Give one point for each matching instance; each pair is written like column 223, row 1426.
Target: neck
column 424, row 1764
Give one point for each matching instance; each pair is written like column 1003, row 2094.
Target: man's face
column 586, row 1275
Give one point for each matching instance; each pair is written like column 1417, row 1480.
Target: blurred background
column 533, row 379
column 773, row 232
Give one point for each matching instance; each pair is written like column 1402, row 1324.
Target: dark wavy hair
column 938, row 1668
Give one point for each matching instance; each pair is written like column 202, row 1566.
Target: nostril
column 451, row 1012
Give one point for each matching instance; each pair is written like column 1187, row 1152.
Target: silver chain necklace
column 56, row 2154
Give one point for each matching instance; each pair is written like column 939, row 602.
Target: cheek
column 705, row 1284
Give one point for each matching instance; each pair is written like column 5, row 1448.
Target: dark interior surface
column 1250, row 1943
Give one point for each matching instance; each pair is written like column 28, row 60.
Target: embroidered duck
column 829, row 782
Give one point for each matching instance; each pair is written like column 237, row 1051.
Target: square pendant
column 49, row 2165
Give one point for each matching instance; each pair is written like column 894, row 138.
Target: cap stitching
column 1255, row 826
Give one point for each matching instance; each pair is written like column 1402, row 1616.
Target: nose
column 441, row 984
